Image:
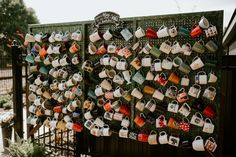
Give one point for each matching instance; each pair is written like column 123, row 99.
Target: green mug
column 92, row 94
column 211, row 46
column 183, row 31
column 155, row 52
column 199, row 47
column 30, row 58
column 138, row 77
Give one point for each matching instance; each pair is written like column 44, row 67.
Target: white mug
column 113, row 61
column 118, row 78
column 123, row 132
column 149, row 76
column 136, row 93
column 176, row 48
column 173, row 31
column 158, row 95
column 201, row 78
column 125, row 122
column 196, row 63
column 94, row 36
column 163, row 138
column 107, row 35
column 106, row 84
column 173, row 106
column 139, row 33
column 198, row 144
column 118, row 92
column 151, row 105
column 184, row 81
column 167, row 63
column 146, row 61
column 197, row 119
column 204, row 23
column 140, row 105
column 103, row 73
column 77, row 35
column 121, row 64
column 89, row 124
column 152, row 138
column 105, row 130
column 187, row 49
column 157, row 65
column 166, row 47
column 88, row 115
column 118, row 116
column 212, row 78
column 95, row 131
column 99, row 122
column 210, row 93
column 208, row 126
column 185, row 110
column 174, row 141
column 99, row 91
column 162, row 32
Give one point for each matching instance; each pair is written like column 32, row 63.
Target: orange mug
column 139, row 120
column 196, row 31
column 107, row 106
column 172, row 123
column 42, row 53
column 174, row 78
column 74, row 48
column 101, row 50
column 57, row 109
column 148, row 90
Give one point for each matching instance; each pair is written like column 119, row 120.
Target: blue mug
column 92, row 94
column 183, row 31
column 43, row 70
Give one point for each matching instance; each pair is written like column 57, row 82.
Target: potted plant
column 6, row 122
column 26, row 148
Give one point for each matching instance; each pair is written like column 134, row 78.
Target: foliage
column 14, row 20
column 7, row 119
column 25, row 148
column 5, row 100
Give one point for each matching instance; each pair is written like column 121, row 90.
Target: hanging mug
column 184, row 125
column 161, row 79
column 210, row 93
column 152, row 138
column 156, row 65
column 140, row 105
column 197, row 119
column 162, row 32
column 94, row 36
column 196, row 63
column 149, row 76
column 158, row 95
column 123, row 132
column 161, row 121
column 174, row 78
column 108, row 115
column 187, row 49
column 196, row 31
column 182, row 96
column 176, row 48
column 171, row 92
column 210, row 144
column 166, row 47
column 173, row 31
column 199, row 47
column 125, row 122
column 151, row 105
column 107, row 35
column 211, row 46
column 140, row 120
column 173, row 106
column 146, row 61
column 121, row 64
column 155, row 52
column 195, row 91
column 136, row 93
column 208, row 126
column 198, row 144
column 163, row 137
column 167, row 63
column 138, row 77
column 211, row 31
column 105, row 131
column 184, row 81
column 174, row 141
column 204, row 23
column 139, row 33
column 185, row 110
column 201, row 78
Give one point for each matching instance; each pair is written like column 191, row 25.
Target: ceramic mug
column 199, row 47
column 173, row 106
column 210, row 93
column 167, row 63
column 105, row 130
column 163, row 137
column 173, row 31
column 140, row 105
column 158, row 95
column 151, row 105
column 197, row 119
column 162, row 32
column 139, row 33
column 138, row 77
column 204, row 23
column 208, row 126
column 152, row 138
column 211, row 31
column 125, row 122
column 176, row 47
column 149, row 76
column 166, row 47
column 210, row 144
column 211, row 46
column 127, row 76
column 187, row 49
column 107, row 35
column 161, row 121
column 184, row 81
column 196, row 63
column 136, row 93
column 89, row 124
column 123, row 132
column 198, row 144
column 195, row 91
column 94, row 36
column 155, row 52
column 140, row 120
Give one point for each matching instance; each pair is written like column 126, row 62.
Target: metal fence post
column 17, row 88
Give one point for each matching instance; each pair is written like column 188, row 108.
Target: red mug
column 77, row 127
column 151, row 33
column 57, row 109
column 139, row 120
column 125, row 110
column 209, row 111
column 196, row 31
column 143, row 136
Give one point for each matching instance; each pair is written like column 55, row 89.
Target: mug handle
column 212, row 139
column 153, row 132
column 189, row 108
column 198, row 138
column 169, row 59
column 162, row 133
column 175, row 102
column 199, row 115
column 208, row 120
column 157, row 61
column 175, row 42
column 198, row 86
column 122, row 60
column 168, row 42
column 213, row 88
column 142, row 115
column 201, row 42
column 185, row 119
column 195, row 58
column 181, row 90
column 201, row 72
column 154, row 102
column 161, row 27
column 173, row 87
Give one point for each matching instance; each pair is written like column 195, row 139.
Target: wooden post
column 17, row 88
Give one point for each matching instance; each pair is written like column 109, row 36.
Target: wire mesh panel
column 161, row 83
